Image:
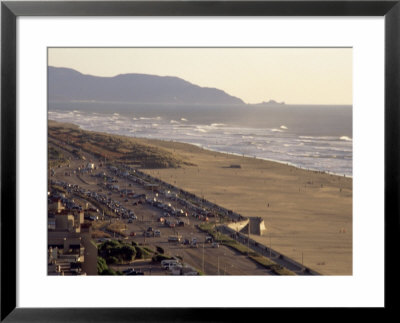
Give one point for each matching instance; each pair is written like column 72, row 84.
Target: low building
column 65, row 254
column 65, row 222
column 55, row 205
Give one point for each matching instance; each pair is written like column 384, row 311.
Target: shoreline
column 259, row 158
column 218, row 151
column 306, row 212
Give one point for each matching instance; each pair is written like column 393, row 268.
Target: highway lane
column 222, row 260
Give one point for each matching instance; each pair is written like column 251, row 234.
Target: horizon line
column 282, row 103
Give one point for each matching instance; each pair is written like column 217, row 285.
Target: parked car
column 134, row 273
column 169, row 263
column 128, row 270
column 209, row 239
column 174, row 239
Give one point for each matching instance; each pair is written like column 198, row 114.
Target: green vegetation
column 118, row 252
column 269, row 264
column 160, row 250
column 103, row 269
column 159, row 258
column 114, row 252
column 225, row 240
column 119, row 149
column 143, row 252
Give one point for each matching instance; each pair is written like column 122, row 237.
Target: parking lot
column 151, row 217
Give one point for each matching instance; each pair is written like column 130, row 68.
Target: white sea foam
column 147, row 118
column 324, row 153
column 201, row 130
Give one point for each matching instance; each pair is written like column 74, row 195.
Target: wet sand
column 309, row 217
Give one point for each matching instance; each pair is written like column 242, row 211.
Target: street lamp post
column 270, row 245
column 203, row 258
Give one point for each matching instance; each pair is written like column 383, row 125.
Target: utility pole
column 270, row 245
column 248, row 238
column 203, row 257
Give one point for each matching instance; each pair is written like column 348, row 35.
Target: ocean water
column 310, row 137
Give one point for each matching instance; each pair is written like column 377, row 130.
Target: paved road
column 269, row 253
column 212, row 261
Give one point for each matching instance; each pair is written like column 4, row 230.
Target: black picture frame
column 11, row 10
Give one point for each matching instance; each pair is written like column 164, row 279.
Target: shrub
column 127, row 252
column 115, row 252
column 113, row 260
column 141, row 253
column 101, row 265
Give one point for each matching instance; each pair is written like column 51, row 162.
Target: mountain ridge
column 65, row 84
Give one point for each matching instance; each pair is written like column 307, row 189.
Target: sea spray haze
column 317, row 137
column 314, row 137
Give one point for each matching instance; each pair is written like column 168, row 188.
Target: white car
column 215, row 245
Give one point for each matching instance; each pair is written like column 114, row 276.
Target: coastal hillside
column 68, row 85
column 116, row 148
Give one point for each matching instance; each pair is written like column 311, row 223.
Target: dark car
column 127, row 271
column 209, row 239
column 134, row 273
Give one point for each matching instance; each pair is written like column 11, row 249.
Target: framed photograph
column 228, row 155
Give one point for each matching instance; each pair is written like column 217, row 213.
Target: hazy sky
column 293, row 75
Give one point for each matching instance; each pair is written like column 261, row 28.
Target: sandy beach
column 308, row 214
